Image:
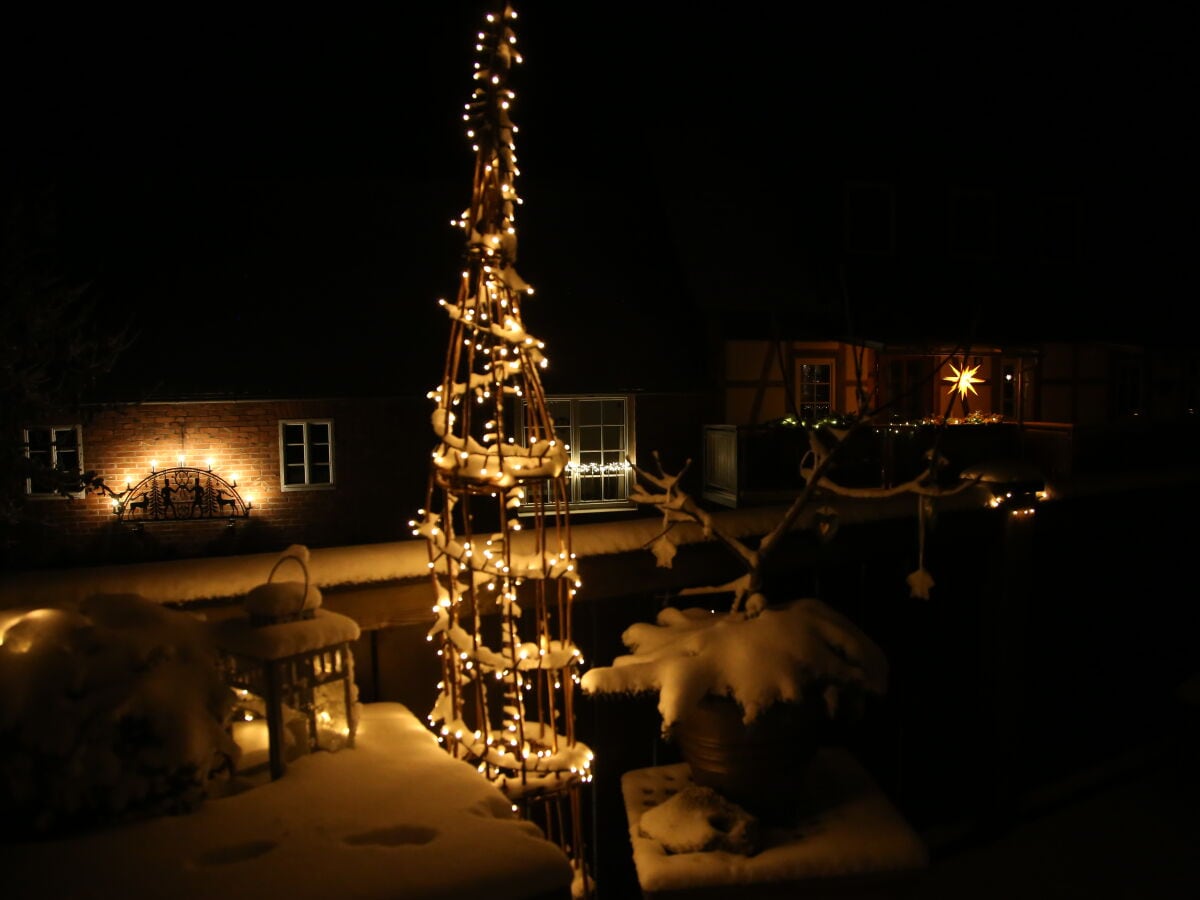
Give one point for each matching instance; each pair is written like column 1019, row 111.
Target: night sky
column 269, row 199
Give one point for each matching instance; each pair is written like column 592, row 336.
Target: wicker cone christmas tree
column 496, row 520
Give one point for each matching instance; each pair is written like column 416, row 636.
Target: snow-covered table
column 394, row 817
column 848, row 841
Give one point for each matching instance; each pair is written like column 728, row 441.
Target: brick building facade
column 359, row 483
column 317, row 471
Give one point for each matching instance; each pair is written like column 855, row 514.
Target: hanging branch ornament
column 507, row 709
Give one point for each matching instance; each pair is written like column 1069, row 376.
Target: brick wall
column 381, row 452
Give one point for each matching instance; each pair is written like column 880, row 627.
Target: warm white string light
column 505, row 704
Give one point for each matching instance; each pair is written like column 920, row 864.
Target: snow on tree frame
column 509, row 711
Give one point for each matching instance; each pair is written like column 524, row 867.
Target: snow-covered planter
column 111, row 708
column 800, row 652
column 747, row 697
column 746, row 693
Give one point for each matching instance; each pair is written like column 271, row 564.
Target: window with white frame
column 814, row 390
column 599, row 431
column 306, row 454
column 53, row 451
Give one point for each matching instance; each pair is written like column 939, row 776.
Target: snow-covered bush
column 110, row 709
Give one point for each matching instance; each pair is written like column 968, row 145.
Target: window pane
column 590, row 412
column 41, row 484
column 293, row 434
column 67, row 461
column 318, row 433
column 613, row 485
column 293, row 475
column 614, row 412
column 318, row 474
column 39, row 443
column 589, row 439
column 591, row 489
column 614, row 437
column 319, row 455
column 293, row 455
column 560, row 412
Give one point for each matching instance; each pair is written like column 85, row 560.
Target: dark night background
column 268, row 198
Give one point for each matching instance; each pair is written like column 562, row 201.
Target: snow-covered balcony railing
column 760, row 464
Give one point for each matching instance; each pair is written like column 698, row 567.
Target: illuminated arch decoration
column 180, row 493
column 504, row 591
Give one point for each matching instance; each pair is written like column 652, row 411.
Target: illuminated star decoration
column 963, row 380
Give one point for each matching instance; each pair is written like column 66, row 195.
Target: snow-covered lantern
column 290, row 662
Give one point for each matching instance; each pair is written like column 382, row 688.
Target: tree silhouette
column 54, row 346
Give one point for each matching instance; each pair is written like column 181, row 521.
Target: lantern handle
column 291, row 554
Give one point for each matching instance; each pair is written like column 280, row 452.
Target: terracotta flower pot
column 760, row 766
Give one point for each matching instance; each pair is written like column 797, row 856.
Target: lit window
column 55, row 454
column 814, row 382
column 306, row 454
column 600, row 433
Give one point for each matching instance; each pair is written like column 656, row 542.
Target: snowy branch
column 665, row 492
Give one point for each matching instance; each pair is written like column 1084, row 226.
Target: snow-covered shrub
column 110, row 709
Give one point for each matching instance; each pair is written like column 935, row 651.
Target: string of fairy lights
column 505, row 702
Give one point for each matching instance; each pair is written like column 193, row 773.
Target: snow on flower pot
column 748, row 696
column 759, row 765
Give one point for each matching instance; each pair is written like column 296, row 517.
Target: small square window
column 55, row 454
column 306, row 455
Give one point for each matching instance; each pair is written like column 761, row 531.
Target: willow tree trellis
column 496, row 519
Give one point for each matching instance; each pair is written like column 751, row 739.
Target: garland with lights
column 504, row 703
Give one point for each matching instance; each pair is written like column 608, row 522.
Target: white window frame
column 54, row 461
column 307, row 484
column 831, row 406
column 574, row 473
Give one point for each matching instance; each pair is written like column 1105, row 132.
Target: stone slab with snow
column 846, row 834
